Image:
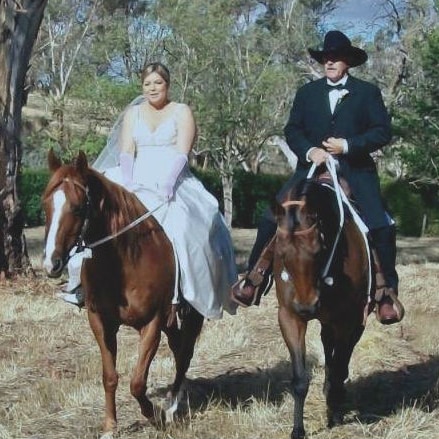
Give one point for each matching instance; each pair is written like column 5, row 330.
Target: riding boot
column 258, row 279
column 389, row 308
column 73, row 292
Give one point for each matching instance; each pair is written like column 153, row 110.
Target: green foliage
column 37, row 146
column 418, row 121
column 406, row 207
column 252, row 194
column 102, row 97
column 31, row 186
column 92, row 144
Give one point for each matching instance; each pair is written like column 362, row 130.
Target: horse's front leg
column 148, row 345
column 293, row 331
column 105, row 334
column 339, row 344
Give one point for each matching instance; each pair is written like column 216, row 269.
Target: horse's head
column 298, row 249
column 66, row 204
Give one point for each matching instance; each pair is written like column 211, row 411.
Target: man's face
column 335, row 67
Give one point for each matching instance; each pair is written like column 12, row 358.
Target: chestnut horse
column 129, row 280
column 322, row 271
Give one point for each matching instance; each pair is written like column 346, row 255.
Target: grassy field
column 238, row 387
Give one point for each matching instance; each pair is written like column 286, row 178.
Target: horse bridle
column 85, row 215
column 86, row 209
column 300, row 204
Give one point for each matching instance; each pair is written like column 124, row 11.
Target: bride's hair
column 156, row 67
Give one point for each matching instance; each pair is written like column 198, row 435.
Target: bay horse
column 322, row 270
column 129, row 280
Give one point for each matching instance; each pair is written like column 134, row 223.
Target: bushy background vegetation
column 414, row 211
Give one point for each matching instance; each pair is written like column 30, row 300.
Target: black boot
column 389, row 309
column 384, row 242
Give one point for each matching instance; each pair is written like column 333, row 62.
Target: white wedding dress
column 191, row 219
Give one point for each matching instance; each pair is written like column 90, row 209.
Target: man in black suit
column 343, row 117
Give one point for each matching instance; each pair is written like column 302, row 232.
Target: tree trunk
column 19, row 24
column 227, row 183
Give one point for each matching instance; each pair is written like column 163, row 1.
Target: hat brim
column 354, row 55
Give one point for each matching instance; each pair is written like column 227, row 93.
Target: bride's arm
column 185, row 129
column 126, row 141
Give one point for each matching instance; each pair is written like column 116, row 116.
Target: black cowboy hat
column 336, row 43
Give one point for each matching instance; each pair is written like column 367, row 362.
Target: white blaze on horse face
column 59, row 199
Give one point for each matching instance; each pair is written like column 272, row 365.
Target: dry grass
column 50, row 371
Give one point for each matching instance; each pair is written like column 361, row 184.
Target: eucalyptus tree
column 418, row 120
column 398, row 63
column 19, row 23
column 235, row 67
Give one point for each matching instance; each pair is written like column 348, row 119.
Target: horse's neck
column 114, row 207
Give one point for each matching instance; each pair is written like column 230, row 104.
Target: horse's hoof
column 169, row 413
column 335, row 419
column 298, row 433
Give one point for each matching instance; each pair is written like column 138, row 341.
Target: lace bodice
column 165, row 134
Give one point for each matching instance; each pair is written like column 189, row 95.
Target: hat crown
column 336, row 40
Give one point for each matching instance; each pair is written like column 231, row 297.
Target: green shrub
column 31, row 186
column 252, row 193
column 406, row 207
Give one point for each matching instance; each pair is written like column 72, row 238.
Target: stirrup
column 384, row 293
column 261, row 286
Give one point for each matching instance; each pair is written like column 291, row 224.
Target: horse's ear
column 53, row 160
column 278, row 211
column 81, row 162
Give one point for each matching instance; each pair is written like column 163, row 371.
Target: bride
column 147, row 152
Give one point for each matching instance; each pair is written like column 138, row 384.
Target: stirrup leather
column 260, row 277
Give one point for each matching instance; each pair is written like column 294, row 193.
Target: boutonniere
column 342, row 94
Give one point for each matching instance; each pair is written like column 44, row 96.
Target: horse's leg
column 293, row 331
column 338, row 371
column 182, row 343
column 328, row 341
column 105, row 335
column 148, row 345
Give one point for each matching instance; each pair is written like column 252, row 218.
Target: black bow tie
column 335, row 87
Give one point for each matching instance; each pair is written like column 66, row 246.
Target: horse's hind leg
column 148, row 345
column 182, row 343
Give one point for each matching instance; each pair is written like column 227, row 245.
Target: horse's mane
column 119, row 208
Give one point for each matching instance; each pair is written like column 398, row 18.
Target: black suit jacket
column 362, row 119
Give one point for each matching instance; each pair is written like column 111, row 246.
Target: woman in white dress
column 151, row 145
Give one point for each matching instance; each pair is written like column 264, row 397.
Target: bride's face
column 155, row 90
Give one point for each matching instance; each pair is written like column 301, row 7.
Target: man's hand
column 318, row 156
column 334, row 145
